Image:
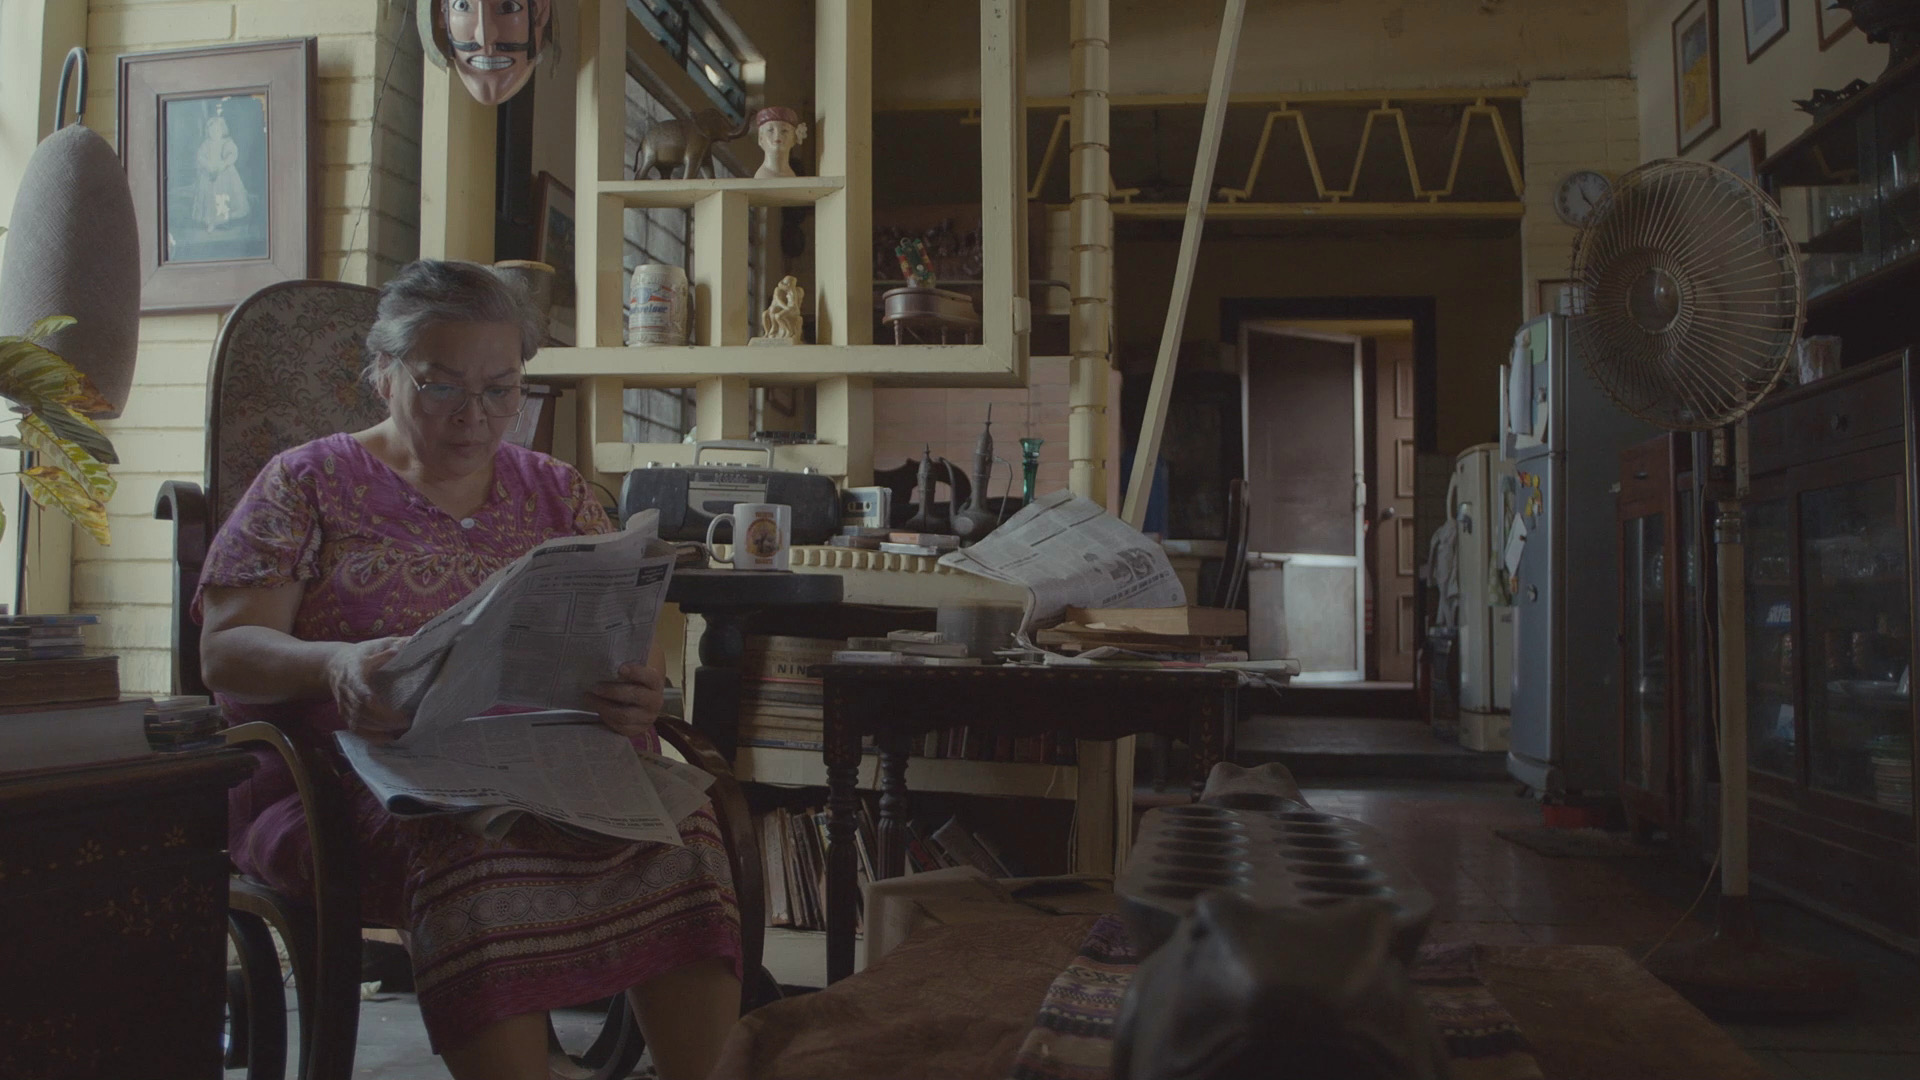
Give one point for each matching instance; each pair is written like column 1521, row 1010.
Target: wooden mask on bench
column 493, row 45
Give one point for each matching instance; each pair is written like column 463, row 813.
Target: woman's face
column 776, row 135
column 474, row 357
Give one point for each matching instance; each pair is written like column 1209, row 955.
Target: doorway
column 1331, row 416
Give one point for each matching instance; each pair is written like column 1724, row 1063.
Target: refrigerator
column 1482, row 497
column 1561, row 549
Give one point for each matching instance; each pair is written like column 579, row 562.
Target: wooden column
column 723, row 408
column 843, row 413
column 843, row 128
column 719, row 271
column 456, row 185
column 600, row 418
column 1090, row 232
column 600, row 101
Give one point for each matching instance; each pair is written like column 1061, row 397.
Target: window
column 691, row 36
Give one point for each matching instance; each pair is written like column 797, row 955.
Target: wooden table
column 894, row 704
column 725, row 598
column 113, row 915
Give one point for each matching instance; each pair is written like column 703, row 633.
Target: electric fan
column 1692, row 305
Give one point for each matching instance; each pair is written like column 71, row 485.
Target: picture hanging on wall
column 1743, row 158
column 1831, row 22
column 1696, row 74
column 217, row 144
column 1765, row 22
column 553, row 245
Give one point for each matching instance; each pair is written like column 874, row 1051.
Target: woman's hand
column 350, row 676
column 631, row 701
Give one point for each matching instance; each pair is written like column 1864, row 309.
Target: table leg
column 1210, row 733
column 894, row 811
column 843, row 810
column 716, row 682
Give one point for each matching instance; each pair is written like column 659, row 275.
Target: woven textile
column 1073, row 1037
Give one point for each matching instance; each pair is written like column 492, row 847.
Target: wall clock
column 1579, row 194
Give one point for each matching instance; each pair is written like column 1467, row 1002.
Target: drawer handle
column 1641, row 475
column 1841, row 422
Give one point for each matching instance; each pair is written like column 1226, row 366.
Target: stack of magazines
column 43, row 637
column 184, row 722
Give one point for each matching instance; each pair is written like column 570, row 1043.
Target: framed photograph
column 218, row 144
column 1696, row 73
column 1831, row 22
column 1561, row 296
column 553, row 245
column 1743, row 158
column 1765, row 22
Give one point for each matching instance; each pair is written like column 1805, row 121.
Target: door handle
column 1389, row 514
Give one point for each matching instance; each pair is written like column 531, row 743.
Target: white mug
column 762, row 535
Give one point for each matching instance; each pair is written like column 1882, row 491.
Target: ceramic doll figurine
column 493, row 45
column 780, row 130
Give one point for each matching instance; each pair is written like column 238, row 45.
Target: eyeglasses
column 446, row 399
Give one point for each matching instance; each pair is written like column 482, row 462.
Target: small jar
column 659, row 306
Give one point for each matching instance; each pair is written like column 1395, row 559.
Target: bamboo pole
column 1147, row 449
column 1090, row 232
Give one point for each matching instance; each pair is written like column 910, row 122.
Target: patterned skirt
column 536, row 920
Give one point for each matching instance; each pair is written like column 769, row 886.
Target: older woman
column 346, row 544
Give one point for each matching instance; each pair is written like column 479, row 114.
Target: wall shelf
column 771, row 365
column 775, row 191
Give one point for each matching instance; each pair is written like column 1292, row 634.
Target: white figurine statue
column 780, row 324
column 780, row 130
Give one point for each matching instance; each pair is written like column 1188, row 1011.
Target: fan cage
column 1690, row 295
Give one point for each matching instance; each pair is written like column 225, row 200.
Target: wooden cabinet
column 1829, row 530
column 113, row 911
column 1659, row 584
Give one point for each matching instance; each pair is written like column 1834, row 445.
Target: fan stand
column 1734, row 970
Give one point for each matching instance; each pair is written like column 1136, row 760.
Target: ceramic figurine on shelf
column 780, row 323
column 780, row 130
column 914, row 264
column 493, row 45
column 680, row 144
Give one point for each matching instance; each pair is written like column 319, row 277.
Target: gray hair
column 430, row 291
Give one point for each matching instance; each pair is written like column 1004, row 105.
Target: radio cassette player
column 690, row 496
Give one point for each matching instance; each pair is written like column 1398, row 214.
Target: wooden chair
column 1227, row 589
column 287, row 369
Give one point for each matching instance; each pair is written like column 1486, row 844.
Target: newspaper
column 538, row 634
column 1068, row 552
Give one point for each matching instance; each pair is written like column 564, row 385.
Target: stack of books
column 780, row 700
column 793, row 851
column 42, row 662
column 184, row 722
column 41, row 737
column 43, row 637
column 925, row 647
column 1175, row 635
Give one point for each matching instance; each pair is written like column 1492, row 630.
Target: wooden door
column 1305, row 463
column 1393, row 542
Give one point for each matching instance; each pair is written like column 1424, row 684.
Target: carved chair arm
column 185, row 505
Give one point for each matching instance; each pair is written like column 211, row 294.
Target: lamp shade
column 73, row 248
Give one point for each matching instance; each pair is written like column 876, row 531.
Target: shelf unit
column 806, row 768
column 842, row 364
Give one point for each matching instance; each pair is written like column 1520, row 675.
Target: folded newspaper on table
column 538, row 634
column 1068, row 552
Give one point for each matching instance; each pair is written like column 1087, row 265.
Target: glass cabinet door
column 1859, row 726
column 1771, row 740
column 1644, row 628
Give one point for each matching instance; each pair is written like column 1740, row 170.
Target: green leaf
column 34, row 376
column 78, row 430
column 50, row 486
column 67, row 456
column 49, row 326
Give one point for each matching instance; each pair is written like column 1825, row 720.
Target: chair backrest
column 1233, row 567
column 286, row 370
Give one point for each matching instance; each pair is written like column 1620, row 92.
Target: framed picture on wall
column 1765, row 22
column 1831, row 22
column 1743, row 158
column 1696, row 74
column 218, row 148
column 553, row 245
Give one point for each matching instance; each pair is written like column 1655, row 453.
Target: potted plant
column 68, row 469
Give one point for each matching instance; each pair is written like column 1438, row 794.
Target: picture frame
column 1764, row 22
column 1830, row 23
column 219, row 145
column 1743, row 156
column 553, row 244
column 1560, row 296
column 1696, row 74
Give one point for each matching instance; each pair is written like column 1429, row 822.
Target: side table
column 113, row 917
column 725, row 598
column 894, row 704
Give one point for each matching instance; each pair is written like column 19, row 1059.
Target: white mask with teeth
column 495, row 43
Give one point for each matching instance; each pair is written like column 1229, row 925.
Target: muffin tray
column 1283, row 855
